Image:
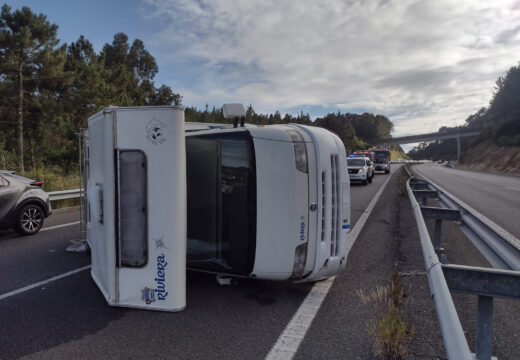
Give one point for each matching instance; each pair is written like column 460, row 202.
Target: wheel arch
column 31, row 201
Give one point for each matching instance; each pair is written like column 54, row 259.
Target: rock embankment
column 487, row 156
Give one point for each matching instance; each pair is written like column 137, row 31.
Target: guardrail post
column 484, row 327
column 437, row 235
column 439, row 214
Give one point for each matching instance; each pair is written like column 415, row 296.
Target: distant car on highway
column 23, row 203
column 360, row 169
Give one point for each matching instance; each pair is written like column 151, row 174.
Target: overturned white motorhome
column 275, row 200
column 270, row 202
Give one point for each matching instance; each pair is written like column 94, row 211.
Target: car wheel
column 370, row 179
column 29, row 220
column 387, row 171
column 365, row 182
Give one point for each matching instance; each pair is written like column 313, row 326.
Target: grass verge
column 54, row 180
column 389, row 329
column 402, row 177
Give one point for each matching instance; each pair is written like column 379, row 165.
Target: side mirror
column 231, row 111
column 236, row 112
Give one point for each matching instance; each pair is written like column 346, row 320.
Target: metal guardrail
column 498, row 246
column 65, row 194
column 452, row 333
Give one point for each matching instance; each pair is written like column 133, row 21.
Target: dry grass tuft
column 389, row 330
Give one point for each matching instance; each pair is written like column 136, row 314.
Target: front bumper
column 357, row 177
column 49, row 207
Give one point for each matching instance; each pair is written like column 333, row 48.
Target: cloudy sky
column 423, row 64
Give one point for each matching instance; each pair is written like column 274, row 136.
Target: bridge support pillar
column 458, row 149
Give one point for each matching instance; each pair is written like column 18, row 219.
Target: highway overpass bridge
column 427, row 137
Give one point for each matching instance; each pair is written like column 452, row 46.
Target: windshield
column 381, row 156
column 356, row 162
column 221, row 202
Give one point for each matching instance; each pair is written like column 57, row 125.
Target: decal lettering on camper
column 156, row 131
column 159, row 243
column 159, row 293
column 148, row 295
column 160, row 280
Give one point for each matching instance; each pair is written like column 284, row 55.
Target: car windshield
column 222, row 196
column 356, row 162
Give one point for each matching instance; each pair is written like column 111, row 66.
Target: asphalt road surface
column 495, row 196
column 69, row 318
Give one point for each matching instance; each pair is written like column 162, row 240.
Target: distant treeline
column 499, row 122
column 48, row 90
column 354, row 129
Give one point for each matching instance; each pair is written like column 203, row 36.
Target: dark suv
column 23, row 204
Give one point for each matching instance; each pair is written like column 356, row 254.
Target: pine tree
column 29, row 59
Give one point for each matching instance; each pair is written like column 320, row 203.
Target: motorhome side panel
column 100, row 220
column 151, row 142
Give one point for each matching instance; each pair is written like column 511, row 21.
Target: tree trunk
column 20, row 117
column 31, row 148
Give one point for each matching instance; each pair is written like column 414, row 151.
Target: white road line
column 35, row 285
column 288, row 342
column 59, row 226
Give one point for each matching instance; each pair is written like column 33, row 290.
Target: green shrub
column 53, row 179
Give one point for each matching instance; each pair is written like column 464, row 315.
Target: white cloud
column 422, row 63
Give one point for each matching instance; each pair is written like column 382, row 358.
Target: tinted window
column 356, row 162
column 132, row 208
column 221, row 202
column 21, row 178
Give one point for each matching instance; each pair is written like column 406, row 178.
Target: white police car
column 360, row 169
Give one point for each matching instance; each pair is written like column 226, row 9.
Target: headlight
column 360, row 171
column 300, row 257
column 300, row 150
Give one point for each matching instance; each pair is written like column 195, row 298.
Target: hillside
column 498, row 147
column 398, row 153
column 487, row 156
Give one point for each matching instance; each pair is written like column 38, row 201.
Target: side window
column 3, row 182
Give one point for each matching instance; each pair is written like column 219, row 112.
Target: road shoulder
column 389, row 241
